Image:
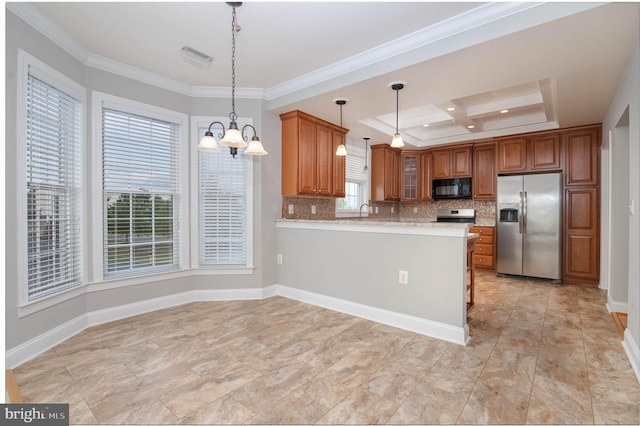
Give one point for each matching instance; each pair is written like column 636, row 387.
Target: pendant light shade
column 342, row 149
column 233, row 138
column 208, row 142
column 397, row 142
column 255, row 146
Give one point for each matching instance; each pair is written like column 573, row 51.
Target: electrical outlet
column 376, row 209
column 403, row 277
column 391, row 209
column 279, row 259
column 415, row 210
column 290, row 208
column 313, row 209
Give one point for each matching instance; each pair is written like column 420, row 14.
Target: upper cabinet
column 309, row 164
column 410, row 182
column 385, row 173
column 582, row 156
column 521, row 154
column 484, row 172
column 424, row 173
column 451, row 162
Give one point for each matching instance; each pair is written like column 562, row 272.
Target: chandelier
column 232, row 137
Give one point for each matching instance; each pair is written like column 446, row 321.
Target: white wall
column 627, row 97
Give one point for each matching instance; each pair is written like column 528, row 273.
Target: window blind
column 356, row 178
column 141, row 196
column 222, row 205
column 54, row 237
column 355, row 168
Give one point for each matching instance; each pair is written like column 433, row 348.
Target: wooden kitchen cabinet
column 484, row 172
column 543, row 152
column 309, row 164
column 425, row 176
column 581, row 236
column 485, row 249
column 512, row 155
column 534, row 153
column 582, row 156
column 409, row 180
column 451, row 162
column 385, row 172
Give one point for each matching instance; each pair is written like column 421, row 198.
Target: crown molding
column 32, row 16
column 483, row 23
column 134, row 73
column 395, row 54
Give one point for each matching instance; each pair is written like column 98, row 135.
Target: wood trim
column 13, row 391
column 620, row 321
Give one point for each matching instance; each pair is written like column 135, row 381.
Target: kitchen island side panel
column 363, row 267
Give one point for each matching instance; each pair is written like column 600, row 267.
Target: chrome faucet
column 361, row 206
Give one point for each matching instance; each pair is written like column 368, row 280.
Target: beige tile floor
column 540, row 353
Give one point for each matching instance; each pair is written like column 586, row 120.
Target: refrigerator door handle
column 521, row 214
column 524, row 212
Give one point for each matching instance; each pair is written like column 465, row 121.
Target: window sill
column 52, row 300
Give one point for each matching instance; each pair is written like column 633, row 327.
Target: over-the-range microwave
column 451, row 189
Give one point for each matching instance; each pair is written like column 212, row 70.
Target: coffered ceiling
column 549, row 64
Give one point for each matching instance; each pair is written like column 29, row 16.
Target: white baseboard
column 39, row 344
column 42, row 343
column 438, row 330
column 613, row 306
column 633, row 352
column 34, row 347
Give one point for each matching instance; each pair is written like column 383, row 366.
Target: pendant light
column 232, row 137
column 397, row 142
column 342, row 149
column 366, row 151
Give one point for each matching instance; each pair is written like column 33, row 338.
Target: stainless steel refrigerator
column 529, row 226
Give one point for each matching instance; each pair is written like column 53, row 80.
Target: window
column 141, row 189
column 356, row 180
column 224, row 193
column 51, row 127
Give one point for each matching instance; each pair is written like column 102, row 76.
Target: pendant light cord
column 397, row 106
column 234, row 25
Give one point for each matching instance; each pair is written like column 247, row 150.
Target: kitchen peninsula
column 354, row 266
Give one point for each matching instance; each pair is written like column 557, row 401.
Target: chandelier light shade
column 342, row 149
column 232, row 137
column 397, row 142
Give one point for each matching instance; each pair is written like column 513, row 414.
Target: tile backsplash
column 325, row 209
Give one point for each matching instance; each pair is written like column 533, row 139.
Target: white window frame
column 355, row 150
column 28, row 63
column 198, row 122
column 100, row 100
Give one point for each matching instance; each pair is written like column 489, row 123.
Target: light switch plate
column 313, row 209
column 290, row 208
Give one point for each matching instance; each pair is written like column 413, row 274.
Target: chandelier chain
column 234, row 25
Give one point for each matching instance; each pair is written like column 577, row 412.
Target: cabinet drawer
column 482, row 230
column 485, row 249
column 483, row 239
column 482, row 261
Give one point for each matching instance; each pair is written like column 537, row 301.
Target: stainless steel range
column 456, row 215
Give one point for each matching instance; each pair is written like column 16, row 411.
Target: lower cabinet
column 581, row 236
column 484, row 254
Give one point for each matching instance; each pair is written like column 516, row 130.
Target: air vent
column 196, row 58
